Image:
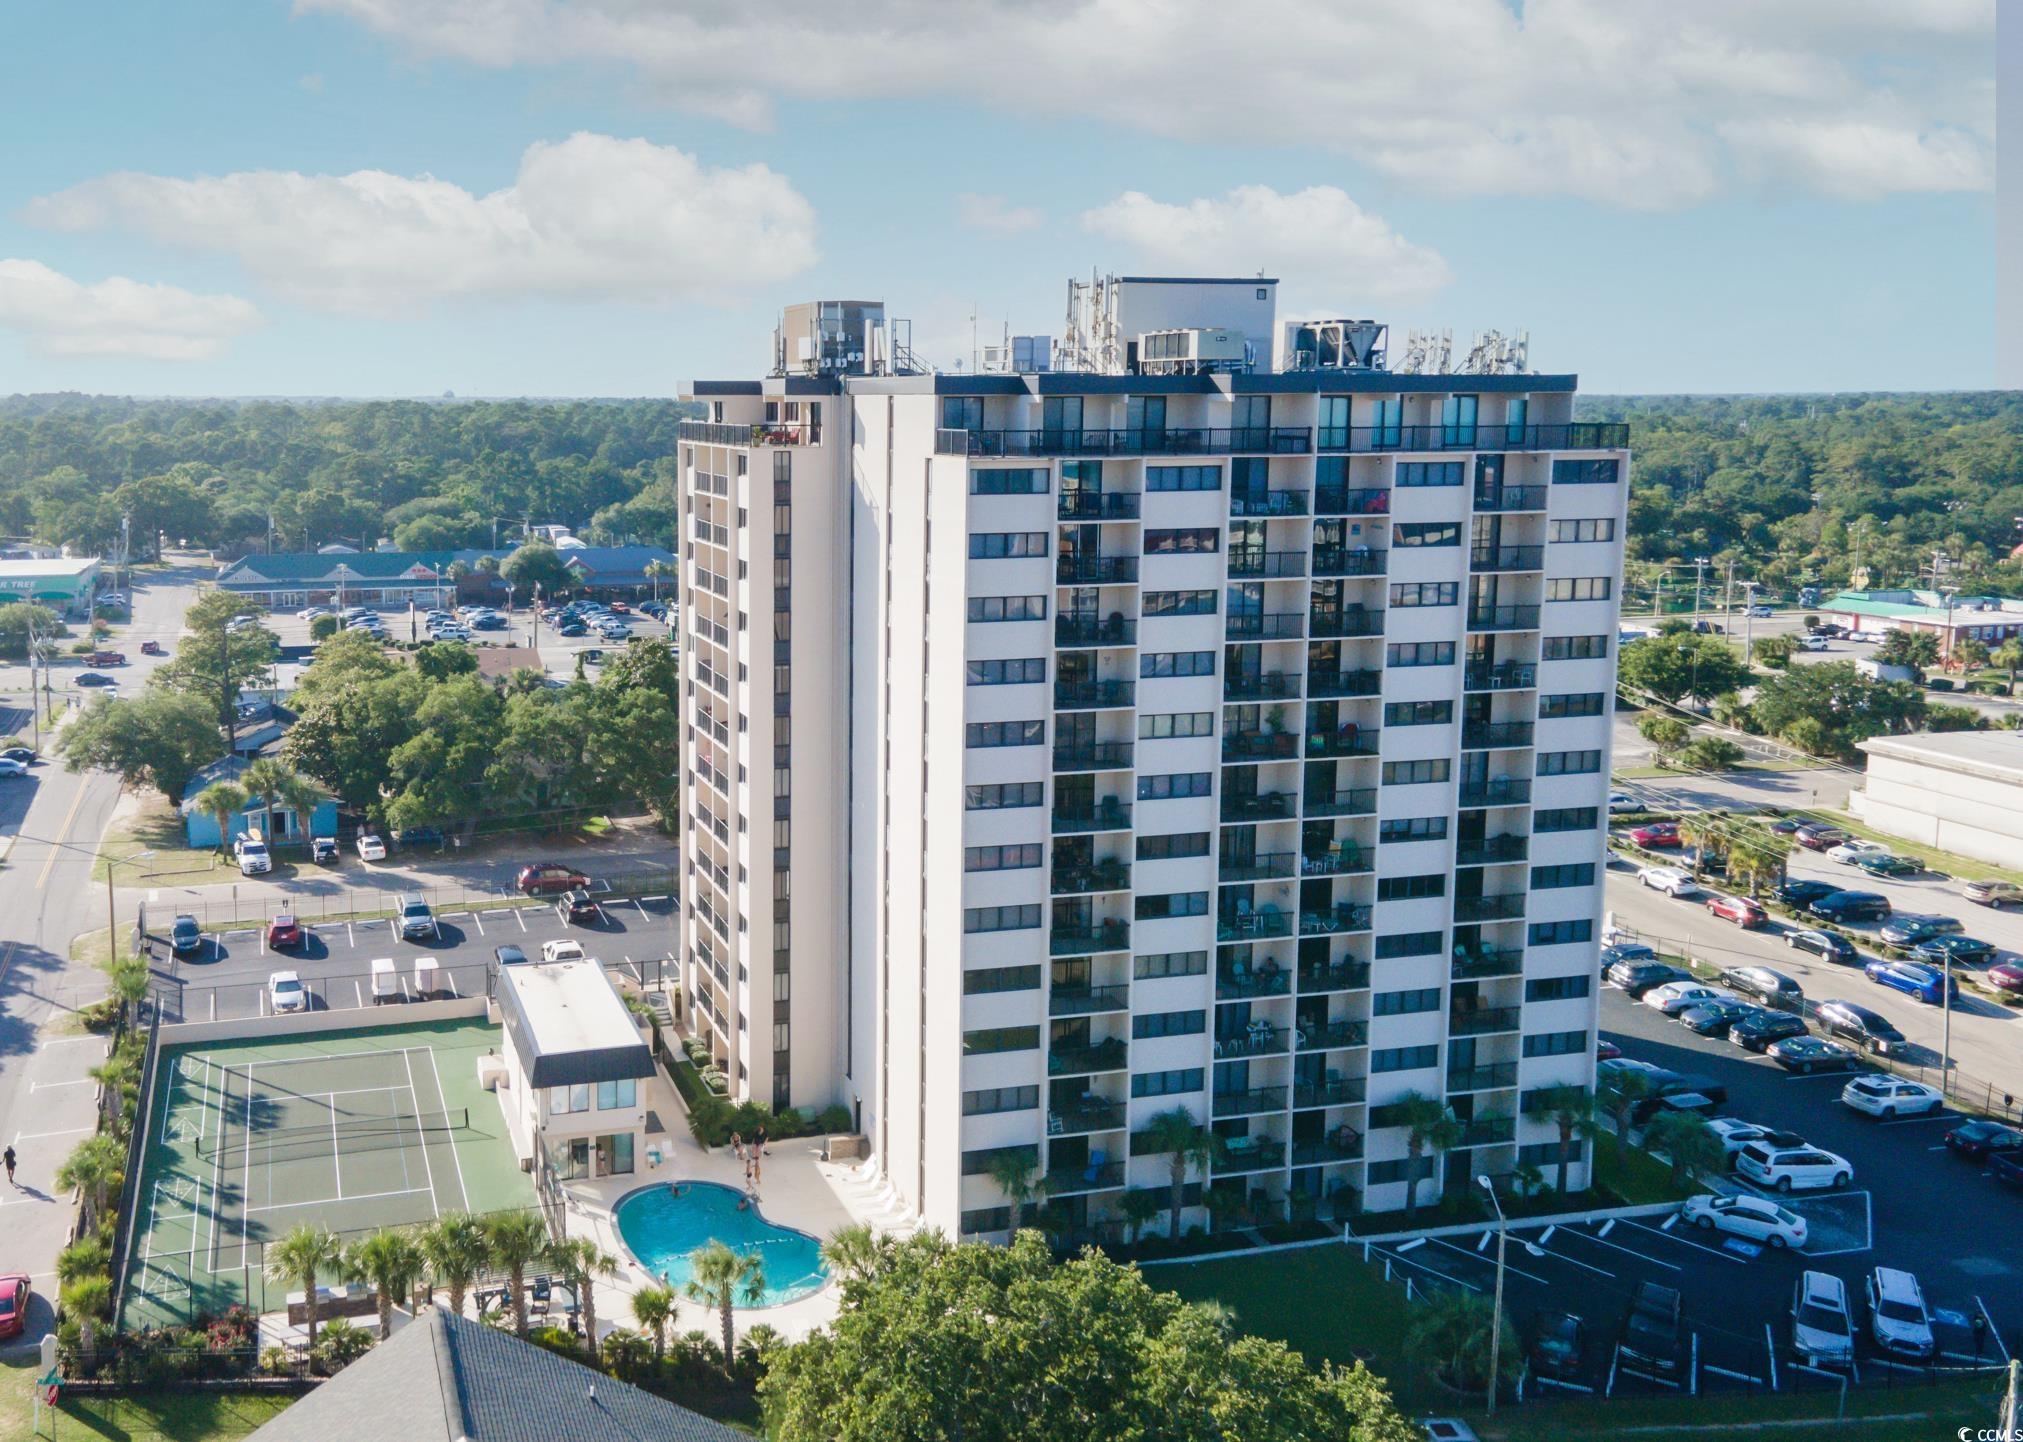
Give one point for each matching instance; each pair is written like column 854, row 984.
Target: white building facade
column 1959, row 791
column 1233, row 740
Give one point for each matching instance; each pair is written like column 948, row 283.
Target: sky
column 616, row 197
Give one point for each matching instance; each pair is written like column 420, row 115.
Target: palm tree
column 515, row 1241
column 657, row 569
column 1701, row 832
column 1015, row 1170
column 654, row 1309
column 299, row 1257
column 1186, row 1143
column 88, row 1299
column 1571, row 1109
column 392, row 1262
column 719, row 1277
column 2009, row 656
column 1756, row 856
column 222, row 800
column 130, row 982
column 453, row 1245
column 1620, row 1094
column 583, row 1264
column 1450, row 1333
column 94, row 1167
column 1429, row 1125
column 854, row 1252
column 1686, row 1138
column 90, row 1255
column 1139, row 1206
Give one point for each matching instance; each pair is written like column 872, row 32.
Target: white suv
column 1821, row 1330
column 252, row 853
column 1896, row 1314
column 1786, row 1169
column 1886, row 1096
column 1668, row 879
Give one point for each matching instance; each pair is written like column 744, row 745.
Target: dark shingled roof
column 449, row 1379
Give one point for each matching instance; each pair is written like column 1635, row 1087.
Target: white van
column 385, row 983
column 427, row 976
column 251, row 849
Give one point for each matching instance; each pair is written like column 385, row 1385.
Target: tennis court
column 354, row 1131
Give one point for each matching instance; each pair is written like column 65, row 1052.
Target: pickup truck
column 1650, row 1337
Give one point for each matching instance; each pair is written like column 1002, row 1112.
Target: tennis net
column 392, row 1128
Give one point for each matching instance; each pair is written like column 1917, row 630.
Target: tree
column 1756, row 856
column 1675, row 666
column 2009, row 656
column 1732, row 711
column 1711, row 753
column 635, row 727
column 721, row 1278
column 1429, row 1126
column 94, row 1167
column 1139, row 1206
column 854, row 1251
column 174, row 504
column 89, row 1300
column 1450, row 1332
column 222, row 801
column 1665, row 733
column 654, row 1309
column 90, row 1255
column 1942, row 717
column 1016, row 1172
column 1828, row 708
column 1918, row 650
column 322, row 628
column 1185, row 1143
column 1619, row 1092
column 1775, row 651
column 440, row 660
column 214, row 662
column 454, row 1247
column 131, row 980
column 537, row 564
column 583, row 1264
column 1970, row 653
column 515, row 1241
column 1571, row 1110
column 658, row 571
column 1691, row 1144
column 158, row 741
column 299, row 1257
column 1003, row 1344
column 391, row 1262
column 18, row 619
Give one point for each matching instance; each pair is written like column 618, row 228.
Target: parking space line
column 1908, row 1121
column 519, row 917
column 350, row 935
column 1993, row 1330
column 357, row 992
column 1575, row 1261
column 479, row 922
column 1403, row 1260
column 1515, row 1271
column 1687, row 1242
column 1619, row 1247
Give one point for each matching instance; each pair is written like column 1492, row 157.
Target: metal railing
column 1356, row 801
column 1260, row 1040
column 1498, row 1076
column 1251, row 563
column 1338, row 918
column 1241, row 746
column 1503, row 618
column 1076, row 1060
column 1352, row 741
column 1087, row 1000
column 1488, row 962
column 1507, row 558
column 1491, row 850
column 1287, row 502
column 1578, row 436
column 1072, row 631
column 1505, row 499
column 1096, row 570
column 1337, row 1092
column 1258, row 806
column 1099, row 1177
column 1086, row 940
column 1258, row 1154
column 1263, row 866
column 1231, row 985
column 1350, row 561
column 1072, row 820
column 1328, row 684
column 1335, row 1036
column 1504, row 676
column 1344, row 859
column 755, row 433
column 1140, row 441
column 1093, row 695
column 1335, row 976
column 1257, row 626
column 1249, row 1102
column 1099, row 505
column 1093, row 756
column 1252, row 925
column 1345, row 623
column 1495, row 735
column 1352, row 501
column 1507, row 906
column 1483, row 1021
column 1488, row 1132
column 1321, row 1150
column 1260, row 686
column 1084, row 880
column 1085, row 1117
column 1498, row 791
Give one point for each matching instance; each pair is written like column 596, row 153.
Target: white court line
column 326, row 1201
column 444, row 1097
column 246, row 1185
column 433, row 1201
column 310, row 1057
column 336, row 1166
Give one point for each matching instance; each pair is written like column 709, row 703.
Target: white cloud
column 587, row 218
column 117, row 316
column 994, row 212
column 1642, row 103
column 1325, row 249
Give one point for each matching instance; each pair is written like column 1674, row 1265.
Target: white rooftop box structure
column 574, row 1062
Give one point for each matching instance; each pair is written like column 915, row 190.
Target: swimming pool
column 662, row 1229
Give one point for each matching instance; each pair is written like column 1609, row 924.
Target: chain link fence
column 320, row 902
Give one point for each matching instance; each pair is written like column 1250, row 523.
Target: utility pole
column 1946, row 1028
column 1748, row 620
column 1496, row 1317
column 1699, row 586
column 1728, row 597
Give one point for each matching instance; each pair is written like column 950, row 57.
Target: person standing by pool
column 759, row 1140
column 738, row 1145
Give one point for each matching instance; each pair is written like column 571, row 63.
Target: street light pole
column 1748, row 620
column 1946, row 1028
column 1496, row 1319
column 1699, row 586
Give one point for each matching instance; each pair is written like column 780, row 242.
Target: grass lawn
column 144, row 1417
column 1960, row 868
column 1635, row 1176
column 155, row 827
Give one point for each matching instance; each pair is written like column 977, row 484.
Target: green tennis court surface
column 352, row 1130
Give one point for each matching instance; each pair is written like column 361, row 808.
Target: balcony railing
column 1340, row 917
column 1087, row 1000
column 1287, row 502
column 1482, row 962
column 755, row 433
column 1507, row 558
column 1347, row 622
column 1343, row 859
column 1255, row 626
column 1096, row 1177
column 1488, row 1132
column 1334, row 976
column 1491, row 850
column 1142, row 441
column 1495, row 735
column 1093, row 695
column 1096, row 570
column 1077, row 1060
column 1340, row 1092
column 1335, row 1036
column 1087, row 940
column 1248, row 562
column 1503, row 618
column 1093, row 756
column 1494, row 1077
column 1073, row 632
column 1085, row 1117
column 1261, row 925
column 1343, row 741
column 1249, row 1103
column 1580, row 436
column 1505, row 906
column 1259, row 746
column 1349, row 561
column 1497, row 791
column 1263, row 866
column 1511, row 498
column 1260, row 686
column 1099, row 505
column 1258, row 806
column 1087, row 880
column 1079, row 819
column 1355, row 801
column 1352, row 501
column 1250, row 1154
column 1262, row 1039
column 1344, row 683
column 1504, row 676
column 1483, row 1021
column 1345, row 1145
column 1240, row 983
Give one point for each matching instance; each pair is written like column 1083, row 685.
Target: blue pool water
column 662, row 1229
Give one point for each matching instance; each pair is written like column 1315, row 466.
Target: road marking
column 55, row 1041
column 59, row 1132
column 36, row 1086
column 479, row 922
column 76, row 803
column 521, row 918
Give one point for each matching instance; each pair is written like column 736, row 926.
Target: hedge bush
column 712, row 1118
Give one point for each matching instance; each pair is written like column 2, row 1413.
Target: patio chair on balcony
column 1239, row 973
column 1268, row 917
column 1055, row 1126
column 1095, row 1168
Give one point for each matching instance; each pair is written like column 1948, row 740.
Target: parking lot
column 558, row 653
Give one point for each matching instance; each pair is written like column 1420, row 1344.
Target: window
column 1179, row 603
column 1007, row 545
column 1155, row 965
column 1404, row 1058
column 1403, row 1003
column 1000, row 1099
column 1556, row 1043
column 1168, row 1023
column 1426, row 533
column 1578, row 588
column 988, row 979
column 1562, row 933
column 1172, row 725
column 1000, row 1038
column 1003, row 795
column 1418, row 713
column 1398, row 1169
column 982, row 734
column 1565, row 818
column 1158, row 664
column 962, row 413
column 1569, row 763
column 1417, row 828
column 1575, row 648
column 1167, row 1083
column 1002, row 482
column 1420, row 653
column 978, row 1163
column 1007, row 608
column 1002, row 858
column 1600, row 529
column 1408, row 943
column 1425, row 593
column 1585, row 473
column 1572, row 873
column 1579, row 703
column 1174, row 785
column 564, row 1100
column 1430, row 473
column 1183, row 478
column 1558, row 988
column 1001, row 918
column 1415, row 773
column 617, row 1095
column 1537, row 1154
column 1410, row 888
column 1173, row 847
column 1196, row 540
column 1166, row 905
column 1022, row 671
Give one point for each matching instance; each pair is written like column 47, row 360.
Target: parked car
column 185, row 936
column 1802, row 894
column 1960, row 950
column 93, row 680
column 282, row 932
column 1760, row 612
column 1675, row 996
column 1808, row 1054
column 1785, row 825
column 1818, row 836
column 1789, row 1169
column 549, row 876
column 251, row 851
column 1714, row 1018
column 1637, row 977
column 1744, row 1215
column 153, row 648
column 1650, row 1332
column 1822, row 1332
column 509, row 955
column 1997, row 894
column 1980, row 1139
column 1897, row 1317
column 1854, row 849
column 12, row 768
column 2006, row 976
column 1741, row 910
column 1888, row 1096
column 2007, row 1168
column 1760, row 1033
column 285, row 992
column 578, row 906
column 1621, row 803
column 1668, row 879
column 1736, row 1134
column 1558, row 1346
column 15, row 1291
column 1887, row 865
column 1655, row 835
column 21, row 755
column 1859, row 1024
column 1771, row 987
column 572, row 629
column 370, row 847
column 1826, row 945
column 1627, row 951
column 1606, row 1050
column 1928, row 984
column 417, row 920
column 563, row 951
column 1846, row 906
column 323, row 850
column 1908, row 929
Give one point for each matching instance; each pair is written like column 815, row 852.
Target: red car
column 550, row 876
column 14, row 1293
column 106, row 658
column 619, row 608
column 1738, row 909
column 1819, row 838
column 152, row 648
column 2007, row 975
column 283, row 931
column 1657, row 834
column 1607, row 1050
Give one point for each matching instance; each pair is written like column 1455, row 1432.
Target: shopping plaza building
column 1196, row 712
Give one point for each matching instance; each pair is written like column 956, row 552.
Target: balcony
column 1505, row 906
column 1350, row 740
column 1096, row 570
column 1352, row 501
column 1507, row 558
column 1488, row 1132
column 1084, row 1117
column 1080, row 1060
column 1254, row 564
column 1343, row 859
column 1088, row 940
column 1078, row 820
column 1261, row 925
column 1268, row 503
column 1072, row 632
column 1249, row 1103
column 1259, row 746
column 1580, row 436
column 1262, row 1039
column 1492, row 850
column 1250, row 1154
column 1349, row 561
column 1506, row 499
column 1258, row 806
column 1335, row 1092
column 1096, row 1177
column 1067, row 1000
column 1093, row 756
column 1143, row 441
column 1263, row 866
column 1503, row 618
column 1240, row 983
column 1335, row 976
column 1325, row 684
column 1479, row 963
column 1494, row 735
column 1340, row 917
column 1496, row 1077
column 1093, row 695
column 1072, row 880
column 1277, row 626
column 1483, row 1020
column 1497, row 791
column 1349, row 622
column 1260, row 686
column 1504, row 676
column 755, row 433
column 1099, row 505
column 1335, row 1036
column 1344, row 1144
column 1356, row 801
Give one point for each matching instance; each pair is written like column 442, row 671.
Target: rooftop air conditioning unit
column 1192, row 350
